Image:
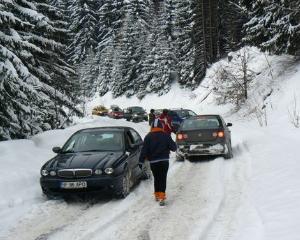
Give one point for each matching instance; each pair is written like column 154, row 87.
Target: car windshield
column 202, row 122
column 95, row 141
column 137, row 109
column 116, row 109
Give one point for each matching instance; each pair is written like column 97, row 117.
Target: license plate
column 195, row 147
column 73, row 185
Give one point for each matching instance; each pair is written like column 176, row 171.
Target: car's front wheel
column 125, row 185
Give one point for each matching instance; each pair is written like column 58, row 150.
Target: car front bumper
column 52, row 185
column 199, row 149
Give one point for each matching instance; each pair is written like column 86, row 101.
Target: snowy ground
column 255, row 195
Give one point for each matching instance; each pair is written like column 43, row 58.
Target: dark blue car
column 178, row 115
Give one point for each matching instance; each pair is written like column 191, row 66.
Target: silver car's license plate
column 73, row 185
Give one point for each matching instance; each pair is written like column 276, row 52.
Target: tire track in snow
column 46, row 219
column 225, row 223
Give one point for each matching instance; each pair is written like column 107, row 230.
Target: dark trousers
column 160, row 171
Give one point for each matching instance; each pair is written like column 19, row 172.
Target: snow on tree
column 274, row 26
column 232, row 80
column 84, row 20
column 159, row 63
column 30, row 101
column 232, row 17
column 190, row 48
column 111, row 15
column 131, row 48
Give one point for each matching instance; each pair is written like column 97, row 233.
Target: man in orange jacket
column 156, row 149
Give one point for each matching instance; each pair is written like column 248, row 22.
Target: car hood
column 89, row 160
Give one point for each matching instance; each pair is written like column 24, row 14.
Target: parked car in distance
column 115, row 112
column 204, row 135
column 135, row 114
column 100, row 110
column 95, row 160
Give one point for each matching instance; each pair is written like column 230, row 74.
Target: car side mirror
column 229, row 124
column 56, row 150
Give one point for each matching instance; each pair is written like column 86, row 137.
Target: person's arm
column 171, row 144
column 145, row 150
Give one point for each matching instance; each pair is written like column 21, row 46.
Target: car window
column 135, row 135
column 207, row 122
column 191, row 113
column 137, row 109
column 95, row 141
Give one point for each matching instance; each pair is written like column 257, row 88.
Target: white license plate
column 73, row 185
column 195, row 147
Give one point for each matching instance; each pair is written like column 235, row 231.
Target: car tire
column 229, row 154
column 49, row 195
column 124, row 185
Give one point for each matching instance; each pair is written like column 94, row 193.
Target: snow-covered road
column 254, row 196
column 204, row 202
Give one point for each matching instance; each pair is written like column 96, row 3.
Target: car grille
column 71, row 173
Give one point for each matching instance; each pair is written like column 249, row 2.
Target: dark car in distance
column 95, row 160
column 135, row 114
column 204, row 135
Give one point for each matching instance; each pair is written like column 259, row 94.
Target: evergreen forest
column 54, row 54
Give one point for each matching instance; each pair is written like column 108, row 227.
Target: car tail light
column 219, row 134
column 181, row 136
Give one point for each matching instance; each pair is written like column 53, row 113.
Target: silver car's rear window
column 202, row 122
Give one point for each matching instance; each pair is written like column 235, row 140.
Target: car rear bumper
column 52, row 185
column 200, row 149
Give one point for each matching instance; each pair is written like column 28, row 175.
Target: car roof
column 205, row 115
column 135, row 107
column 110, row 128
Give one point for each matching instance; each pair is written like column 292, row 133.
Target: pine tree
column 232, row 17
column 190, row 43
column 274, row 26
column 131, row 48
column 30, row 101
column 111, row 15
column 159, row 63
column 83, row 28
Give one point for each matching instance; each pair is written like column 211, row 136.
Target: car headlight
column 98, row 171
column 52, row 173
column 44, row 172
column 109, row 170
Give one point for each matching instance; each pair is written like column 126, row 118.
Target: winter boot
column 156, row 195
column 162, row 198
column 162, row 202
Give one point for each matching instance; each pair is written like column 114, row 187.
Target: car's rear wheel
column 125, row 185
column 229, row 154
